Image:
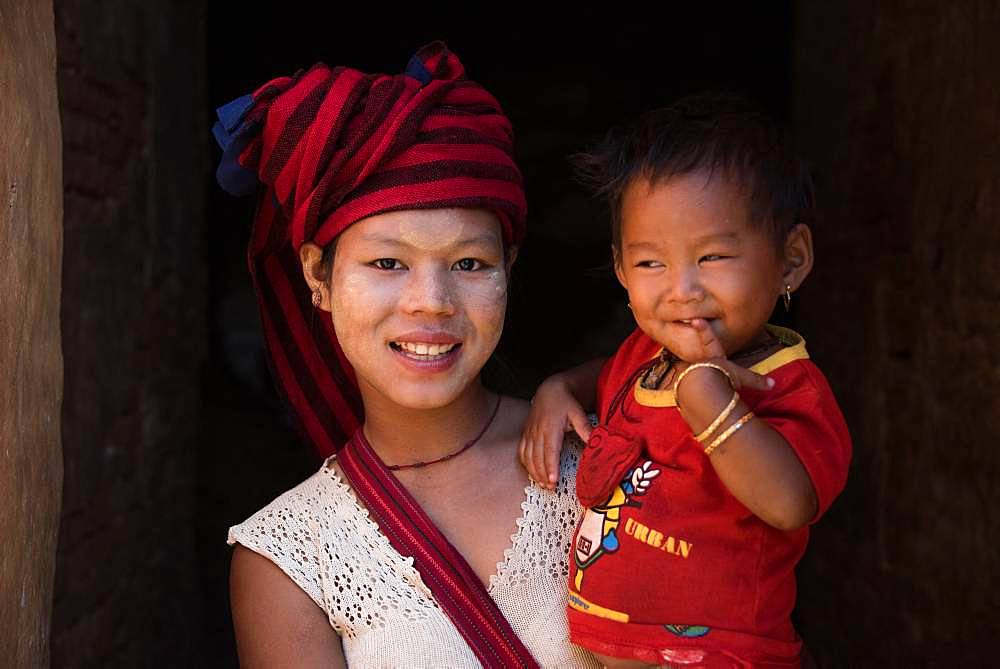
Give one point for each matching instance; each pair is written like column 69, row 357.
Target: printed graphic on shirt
column 690, row 631
column 654, row 538
column 598, row 536
column 598, row 531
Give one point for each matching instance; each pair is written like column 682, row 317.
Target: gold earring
column 787, row 297
column 317, row 298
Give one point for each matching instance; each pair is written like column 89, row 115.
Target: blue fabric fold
column 417, row 70
column 233, row 136
column 232, row 113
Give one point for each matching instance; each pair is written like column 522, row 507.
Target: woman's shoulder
column 301, row 500
column 290, row 529
column 511, row 416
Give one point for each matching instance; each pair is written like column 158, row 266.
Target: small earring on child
column 787, row 297
column 317, row 298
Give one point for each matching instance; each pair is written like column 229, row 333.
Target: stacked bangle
column 691, row 368
column 744, row 419
column 723, row 415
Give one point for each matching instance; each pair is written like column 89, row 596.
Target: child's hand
column 762, row 471
column 742, row 377
column 554, row 411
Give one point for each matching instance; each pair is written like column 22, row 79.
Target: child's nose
column 685, row 285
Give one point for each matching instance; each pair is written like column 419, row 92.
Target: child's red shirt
column 677, row 567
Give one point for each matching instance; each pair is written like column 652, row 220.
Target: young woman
column 421, row 540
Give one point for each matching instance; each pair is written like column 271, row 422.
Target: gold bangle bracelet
column 690, row 368
column 729, row 432
column 723, row 415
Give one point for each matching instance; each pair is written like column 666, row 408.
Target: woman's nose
column 428, row 291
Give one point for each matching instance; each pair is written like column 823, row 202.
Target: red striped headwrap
column 331, row 146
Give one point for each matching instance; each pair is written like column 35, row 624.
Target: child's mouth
column 689, row 322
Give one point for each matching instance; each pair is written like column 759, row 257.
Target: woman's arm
column 276, row 623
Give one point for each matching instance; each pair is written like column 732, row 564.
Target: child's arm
column 558, row 406
column 756, row 464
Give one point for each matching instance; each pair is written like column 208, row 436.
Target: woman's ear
column 510, row 255
column 798, row 259
column 311, row 257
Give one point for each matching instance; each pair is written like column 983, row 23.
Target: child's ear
column 616, row 258
column 798, row 260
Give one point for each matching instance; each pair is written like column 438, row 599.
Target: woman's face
column 418, row 300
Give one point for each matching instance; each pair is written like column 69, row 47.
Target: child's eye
column 711, row 257
column 649, row 263
column 468, row 265
column 386, row 264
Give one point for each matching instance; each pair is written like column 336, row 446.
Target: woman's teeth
column 424, row 350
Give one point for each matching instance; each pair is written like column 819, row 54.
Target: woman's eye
column 468, row 265
column 387, row 264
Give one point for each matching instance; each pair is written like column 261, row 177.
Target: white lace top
column 320, row 536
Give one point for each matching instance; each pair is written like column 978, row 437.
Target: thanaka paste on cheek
column 485, row 300
column 488, row 289
column 499, row 280
column 355, row 295
column 494, row 303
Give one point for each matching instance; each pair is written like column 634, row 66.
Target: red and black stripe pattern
column 331, row 146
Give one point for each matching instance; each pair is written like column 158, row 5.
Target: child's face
column 688, row 251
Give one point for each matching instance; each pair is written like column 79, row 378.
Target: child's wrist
column 555, row 385
column 701, row 395
column 701, row 378
column 556, row 381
